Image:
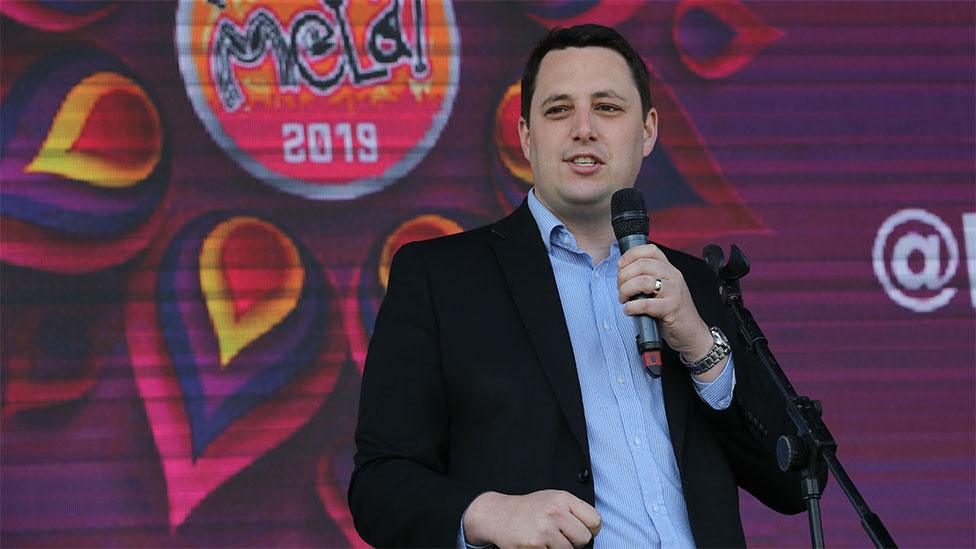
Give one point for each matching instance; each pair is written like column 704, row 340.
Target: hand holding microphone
column 653, row 290
column 628, row 215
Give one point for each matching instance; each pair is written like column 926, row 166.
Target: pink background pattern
column 835, row 143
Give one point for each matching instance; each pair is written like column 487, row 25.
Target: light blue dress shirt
column 635, row 476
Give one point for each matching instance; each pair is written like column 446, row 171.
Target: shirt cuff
column 718, row 392
column 463, row 544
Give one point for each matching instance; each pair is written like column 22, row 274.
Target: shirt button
column 655, row 508
column 606, row 325
column 621, row 380
column 637, row 442
column 584, row 475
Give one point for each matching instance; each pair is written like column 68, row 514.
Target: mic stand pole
column 813, row 442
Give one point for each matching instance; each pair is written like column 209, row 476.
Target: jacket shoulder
column 452, row 243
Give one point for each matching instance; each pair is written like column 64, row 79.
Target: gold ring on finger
column 658, row 284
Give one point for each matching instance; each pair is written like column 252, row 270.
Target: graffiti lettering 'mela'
column 325, row 99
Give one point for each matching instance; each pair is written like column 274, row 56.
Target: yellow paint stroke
column 55, row 155
column 234, row 334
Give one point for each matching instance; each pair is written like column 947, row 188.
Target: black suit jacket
column 470, row 385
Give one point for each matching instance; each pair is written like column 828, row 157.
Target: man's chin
column 590, row 195
column 589, row 204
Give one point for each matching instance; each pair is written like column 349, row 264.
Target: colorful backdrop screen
column 200, row 201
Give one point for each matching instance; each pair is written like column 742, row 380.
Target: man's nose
column 583, row 128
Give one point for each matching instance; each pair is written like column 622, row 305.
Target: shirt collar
column 552, row 230
column 549, row 225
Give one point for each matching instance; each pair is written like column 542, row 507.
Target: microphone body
column 630, row 226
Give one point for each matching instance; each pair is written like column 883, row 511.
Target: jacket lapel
column 525, row 264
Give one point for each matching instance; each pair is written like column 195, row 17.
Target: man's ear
column 523, row 129
column 650, row 131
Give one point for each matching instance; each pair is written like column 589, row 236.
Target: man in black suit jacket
column 471, row 411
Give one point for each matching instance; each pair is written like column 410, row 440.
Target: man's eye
column 607, row 108
column 556, row 110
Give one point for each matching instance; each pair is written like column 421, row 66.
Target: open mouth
column 584, row 161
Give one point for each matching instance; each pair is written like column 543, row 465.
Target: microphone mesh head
column 628, row 214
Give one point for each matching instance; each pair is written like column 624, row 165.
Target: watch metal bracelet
column 720, row 349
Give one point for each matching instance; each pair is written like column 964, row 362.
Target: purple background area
column 860, row 110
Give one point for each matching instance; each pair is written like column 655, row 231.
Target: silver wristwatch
column 720, row 349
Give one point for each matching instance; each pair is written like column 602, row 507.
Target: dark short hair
column 584, row 36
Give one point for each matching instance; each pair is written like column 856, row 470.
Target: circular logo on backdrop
column 325, row 99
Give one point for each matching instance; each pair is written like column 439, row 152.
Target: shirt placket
column 621, row 369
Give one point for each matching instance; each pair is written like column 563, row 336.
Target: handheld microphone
column 628, row 215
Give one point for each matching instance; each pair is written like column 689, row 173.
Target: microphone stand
column 813, row 443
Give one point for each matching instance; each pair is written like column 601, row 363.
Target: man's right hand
column 547, row 518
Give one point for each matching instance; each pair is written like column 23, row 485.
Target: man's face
column 586, row 137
